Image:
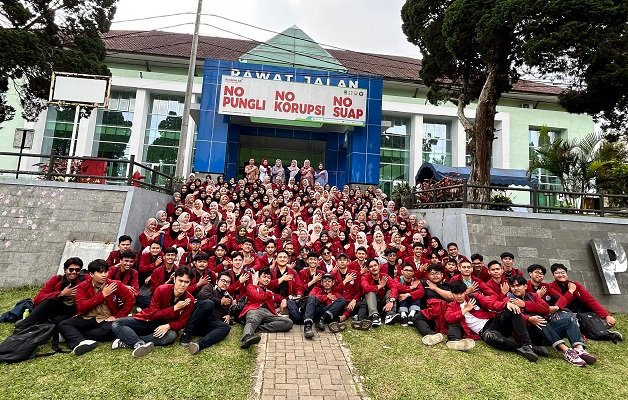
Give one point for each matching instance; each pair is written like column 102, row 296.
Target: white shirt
column 474, row 323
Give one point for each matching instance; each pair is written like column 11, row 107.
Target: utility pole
column 185, row 119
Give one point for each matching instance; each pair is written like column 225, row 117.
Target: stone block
column 529, row 252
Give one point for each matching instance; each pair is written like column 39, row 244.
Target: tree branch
column 42, row 15
column 466, row 124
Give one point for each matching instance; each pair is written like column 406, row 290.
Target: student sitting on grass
column 99, row 302
column 430, row 321
column 477, row 316
column 169, row 310
column 125, row 273
column 324, row 305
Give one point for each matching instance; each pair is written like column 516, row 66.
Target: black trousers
column 51, row 309
column 204, row 322
column 77, row 329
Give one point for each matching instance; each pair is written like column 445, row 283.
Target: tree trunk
column 482, row 136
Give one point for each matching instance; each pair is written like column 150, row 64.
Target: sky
column 372, row 26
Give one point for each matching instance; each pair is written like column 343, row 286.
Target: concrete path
column 292, row 367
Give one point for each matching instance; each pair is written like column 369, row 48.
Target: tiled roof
column 169, row 44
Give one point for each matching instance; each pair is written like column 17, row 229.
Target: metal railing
column 55, row 169
column 458, row 195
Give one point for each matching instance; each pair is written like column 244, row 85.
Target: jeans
column 409, row 304
column 315, row 308
column 205, row 323
column 51, row 309
column 75, row 330
column 264, row 320
column 372, row 305
column 296, row 310
column 132, row 331
column 556, row 330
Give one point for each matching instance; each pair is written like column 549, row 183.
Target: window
column 437, row 142
column 540, row 137
column 113, row 127
column 163, row 128
column 394, row 154
column 58, row 131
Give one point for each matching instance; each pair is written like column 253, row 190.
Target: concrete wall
column 37, row 218
column 535, row 238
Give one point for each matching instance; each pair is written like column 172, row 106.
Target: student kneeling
column 170, row 309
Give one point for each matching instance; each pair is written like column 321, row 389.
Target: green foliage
column 39, row 37
column 401, row 189
column 501, row 201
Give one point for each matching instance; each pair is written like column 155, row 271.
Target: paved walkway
column 292, row 367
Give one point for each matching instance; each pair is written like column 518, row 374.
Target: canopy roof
column 499, row 176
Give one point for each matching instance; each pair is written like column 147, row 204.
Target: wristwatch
column 392, row 299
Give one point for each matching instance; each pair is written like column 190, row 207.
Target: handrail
column 458, row 195
column 47, row 170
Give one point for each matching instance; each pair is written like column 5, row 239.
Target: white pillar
column 417, row 133
column 458, row 144
column 85, row 137
column 140, row 116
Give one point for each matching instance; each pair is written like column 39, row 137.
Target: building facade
column 399, row 131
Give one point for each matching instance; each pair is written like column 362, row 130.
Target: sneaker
column 586, row 356
column 527, row 353
column 404, row 319
column 250, row 340
column 194, row 348
column 141, row 349
column 433, row 339
column 320, row 325
column 336, row 327
column 616, row 336
column 461, row 345
column 540, row 351
column 84, row 347
column 118, row 344
column 308, row 332
column 185, row 340
column 391, row 319
column 572, row 357
column 376, row 321
column 61, row 338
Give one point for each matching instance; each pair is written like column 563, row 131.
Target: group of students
column 271, row 255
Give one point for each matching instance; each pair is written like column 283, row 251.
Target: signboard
column 610, row 258
column 23, row 138
column 86, row 251
column 78, row 89
column 292, row 101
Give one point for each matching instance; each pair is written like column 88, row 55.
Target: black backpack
column 22, row 344
column 592, row 326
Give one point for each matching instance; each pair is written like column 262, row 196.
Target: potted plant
column 402, row 193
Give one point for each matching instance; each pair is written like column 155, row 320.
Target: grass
column 396, row 365
column 221, row 372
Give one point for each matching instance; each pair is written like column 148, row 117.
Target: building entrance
column 272, row 148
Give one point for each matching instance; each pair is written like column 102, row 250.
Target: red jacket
column 483, row 274
column 119, row 302
column 485, row 289
column 321, row 295
column 158, row 277
column 551, row 295
column 259, row 297
column 114, row 258
column 369, row 286
column 485, row 308
column 351, row 290
column 534, row 306
column 418, row 273
column 130, row 278
column 403, row 287
column 52, row 288
column 581, row 294
column 295, row 287
column 237, row 289
column 216, row 265
column 161, row 310
column 146, row 264
column 305, row 277
column 197, row 276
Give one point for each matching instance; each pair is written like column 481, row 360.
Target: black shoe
column 540, row 351
column 527, row 353
column 376, row 321
column 308, row 332
column 250, row 340
column 185, row 339
column 320, row 325
column 616, row 336
column 404, row 320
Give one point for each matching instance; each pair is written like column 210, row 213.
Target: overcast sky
column 372, row 26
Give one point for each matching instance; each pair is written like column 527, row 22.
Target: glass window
column 437, row 142
column 58, row 131
column 395, row 153
column 541, row 137
column 113, row 127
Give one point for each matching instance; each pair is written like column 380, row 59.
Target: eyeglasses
column 326, row 253
column 74, row 269
column 224, row 280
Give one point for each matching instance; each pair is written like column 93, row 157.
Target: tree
column 39, row 37
column 475, row 50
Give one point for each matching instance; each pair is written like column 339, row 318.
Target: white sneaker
column 141, row 350
column 433, row 339
column 118, row 344
column 84, row 346
column 462, row 345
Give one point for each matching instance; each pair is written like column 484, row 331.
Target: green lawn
column 396, row 365
column 221, row 372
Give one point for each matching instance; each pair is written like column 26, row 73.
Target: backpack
column 16, row 313
column 23, row 343
column 592, row 326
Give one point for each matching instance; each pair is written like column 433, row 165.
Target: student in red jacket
column 536, row 285
column 150, row 261
column 55, row 300
column 380, row 293
column 410, row 293
column 259, row 312
column 493, row 320
column 124, row 244
column 473, row 283
column 430, row 321
column 170, row 309
column 349, row 281
column 575, row 297
column 324, row 305
column 99, row 302
column 418, row 260
column 553, row 327
column 479, row 270
column 200, row 274
column 497, row 282
column 508, row 261
column 124, row 272
column 165, row 272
